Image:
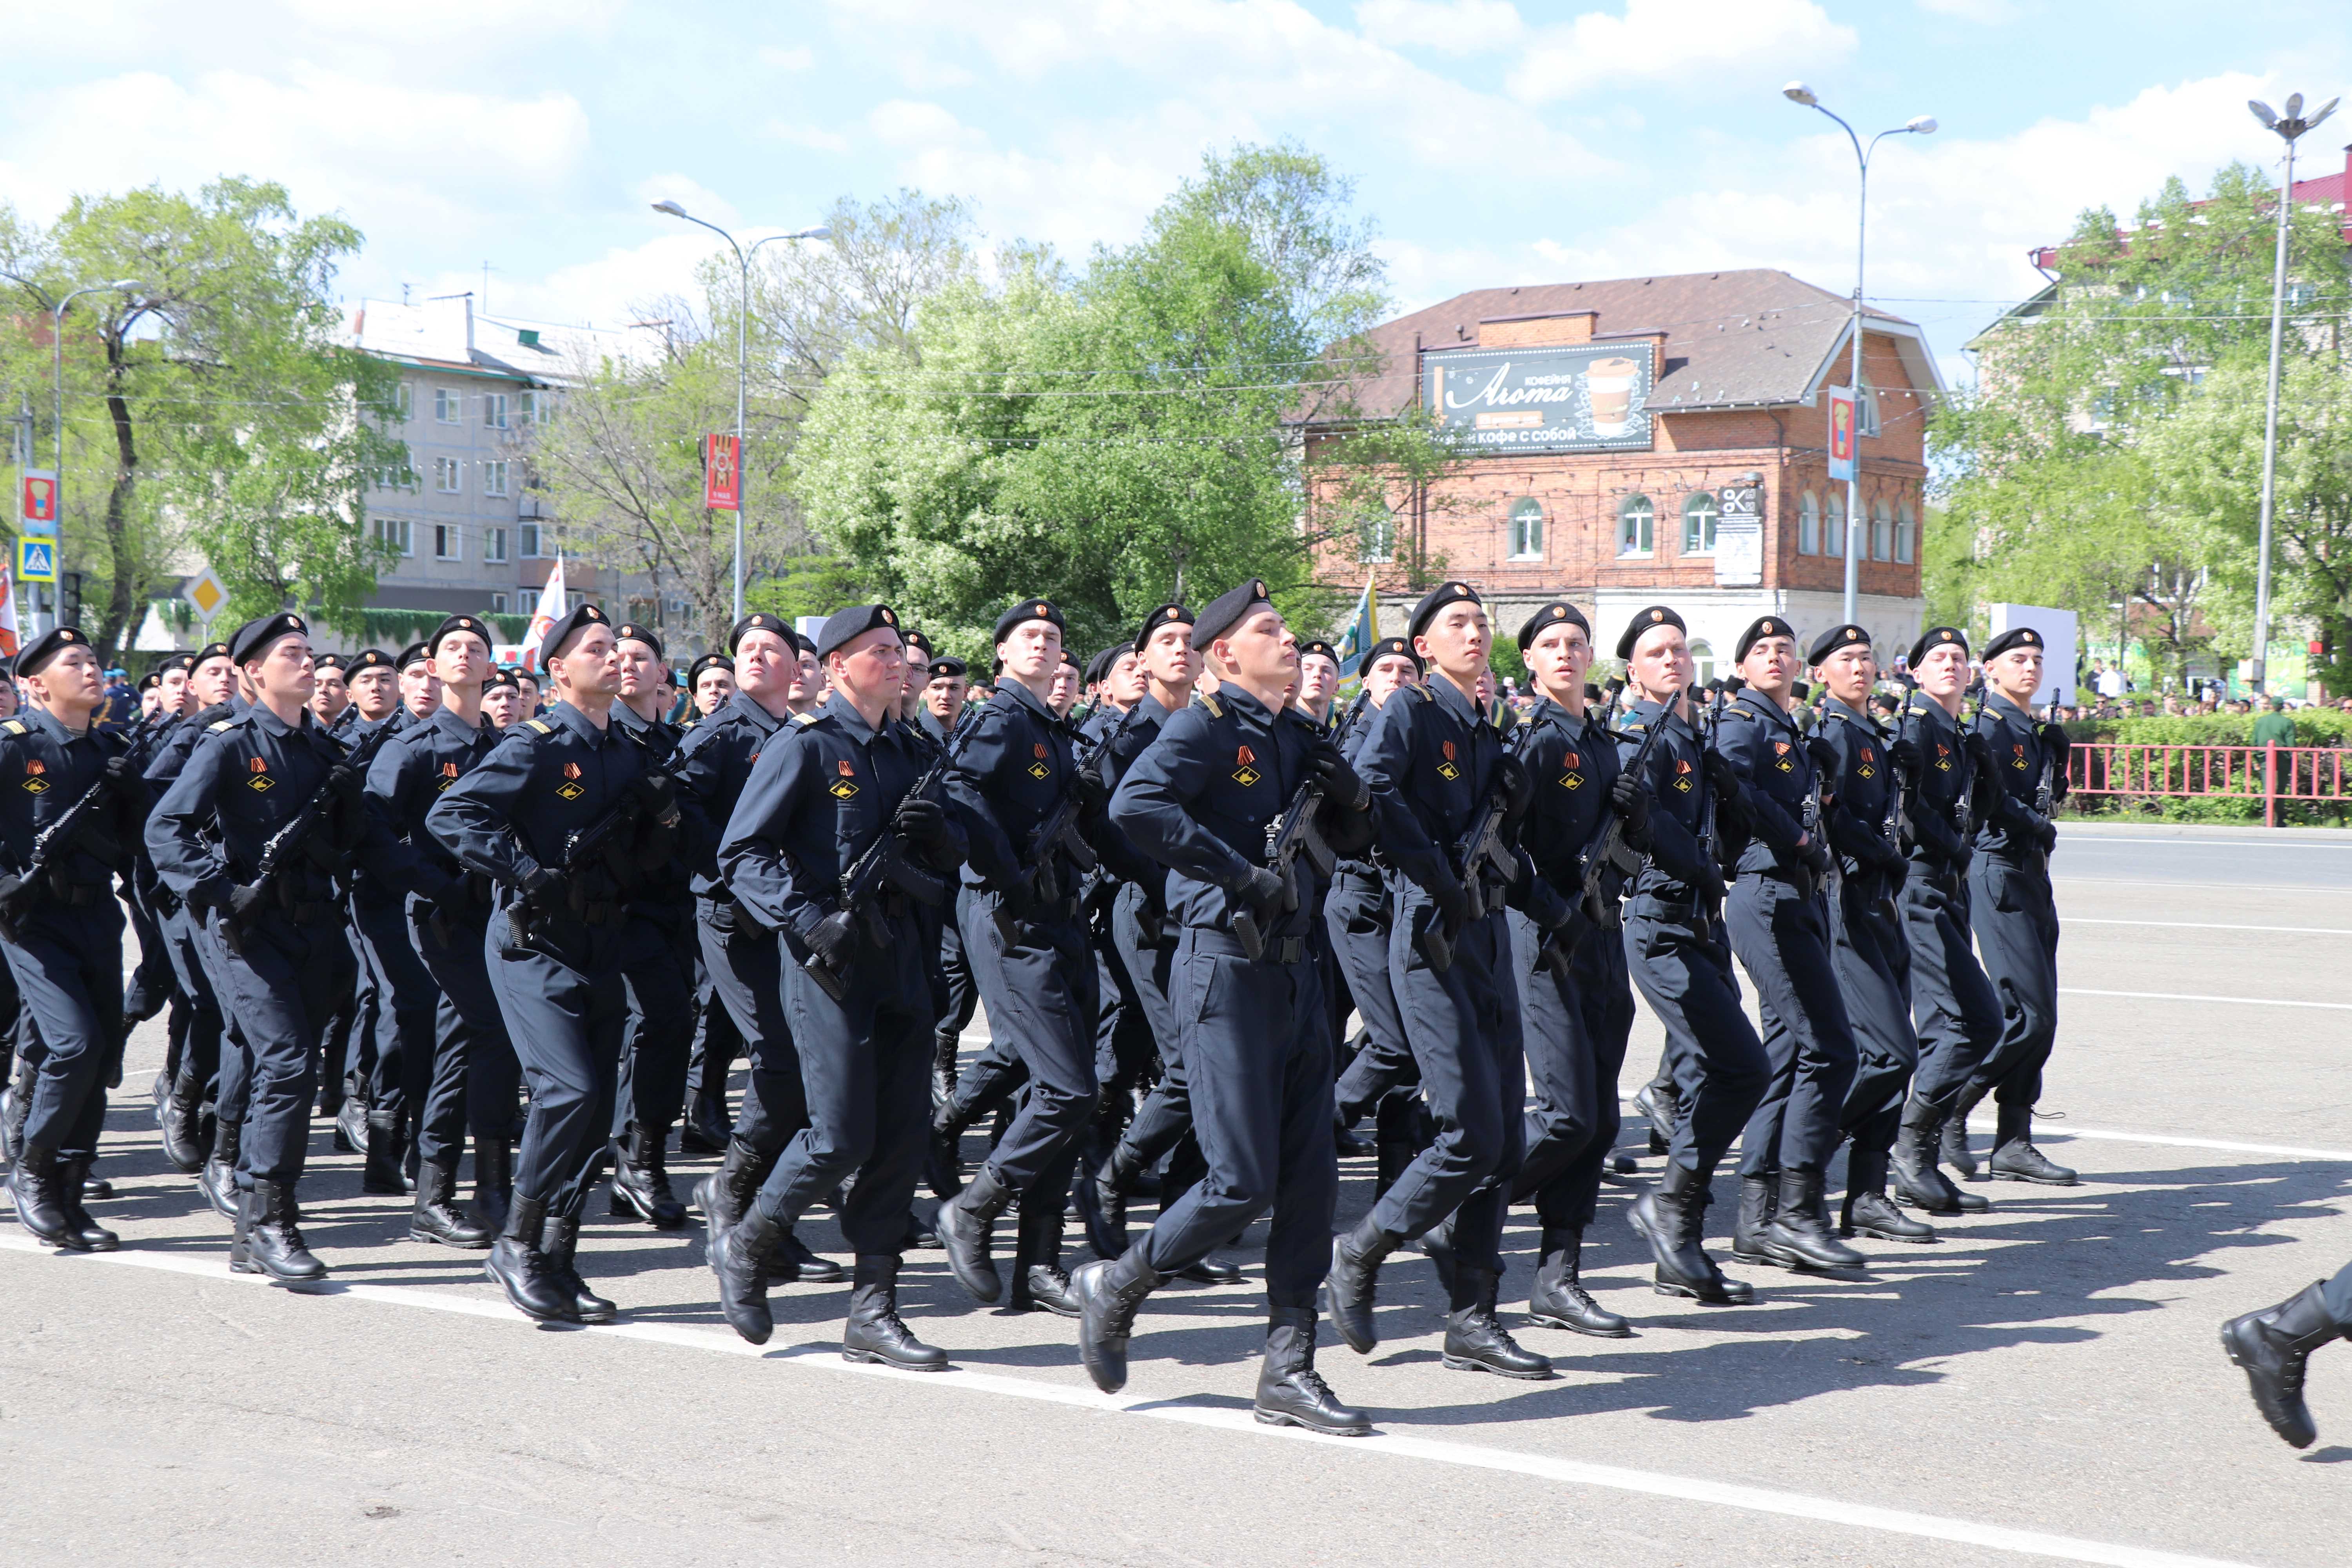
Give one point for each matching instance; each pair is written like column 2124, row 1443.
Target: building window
column 448, row 473
column 498, row 604
column 1376, row 538
column 448, row 404
column 449, row 541
column 1881, row 528
column 494, row 544
column 1906, row 526
column 494, row 477
column 526, row 541
column 403, row 403
column 1833, row 535
column 1527, row 529
column 1809, row 524
column 1702, row 654
column 1700, row 511
column 394, row 532
column 1636, row 525
column 494, row 410
column 1866, row 410
column 400, row 475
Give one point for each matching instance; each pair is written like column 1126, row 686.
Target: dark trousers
column 1124, row 1051
column 717, row 1041
column 1040, row 997
column 1356, row 915
column 360, row 1018
column 151, row 982
column 1953, row 1006
column 1782, row 937
column 1258, row 1046
column 566, row 1010
column 866, row 1067
column 280, row 989
column 657, row 970
column 1684, row 972
column 474, row 1071
column 406, row 1003
column 747, row 979
column 1163, row 1122
column 2016, row 922
column 69, row 973
column 1464, row 1029
column 1873, row 971
column 1575, row 1031
column 960, row 996
column 200, row 1052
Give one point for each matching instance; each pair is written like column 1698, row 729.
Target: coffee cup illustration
column 1609, row 386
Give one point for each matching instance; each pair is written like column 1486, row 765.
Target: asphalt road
column 2044, row 1384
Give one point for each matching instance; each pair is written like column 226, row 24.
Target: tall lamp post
column 743, row 318
column 1921, row 125
column 2289, row 126
column 58, row 385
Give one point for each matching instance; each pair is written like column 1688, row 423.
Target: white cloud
column 1990, row 12
column 792, row 59
column 813, row 137
column 1446, row 26
column 1661, row 40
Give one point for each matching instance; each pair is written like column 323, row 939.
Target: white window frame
column 530, row 540
column 448, row 476
column 449, row 541
column 1702, row 654
column 1809, row 524
column 1527, row 529
column 1701, row 507
column 1637, row 538
column 1376, row 539
column 397, row 531
column 403, row 402
column 494, row 546
column 494, row 478
column 1833, row 537
column 1905, row 536
column 1866, row 411
column 1881, row 531
column 402, row 475
column 449, row 405
column 498, row 603
column 494, row 410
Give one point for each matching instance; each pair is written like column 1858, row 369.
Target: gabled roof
column 1744, row 338
column 447, row 334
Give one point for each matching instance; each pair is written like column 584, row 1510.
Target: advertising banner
column 1585, row 398
column 1842, row 432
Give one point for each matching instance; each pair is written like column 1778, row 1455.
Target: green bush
column 2313, row 727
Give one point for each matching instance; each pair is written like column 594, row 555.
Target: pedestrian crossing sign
column 37, row 560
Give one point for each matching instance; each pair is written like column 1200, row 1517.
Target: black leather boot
column 1355, row 1276
column 493, row 1183
column 2270, row 1347
column 963, row 1230
column 1672, row 1217
column 73, row 1187
column 381, row 1175
column 1037, row 1278
column 706, row 1129
column 241, row 1249
column 1102, row 1201
column 875, row 1333
column 1867, row 1211
column 792, row 1263
column 350, row 1125
column 1347, row 1143
column 1917, row 1182
column 1290, row 1392
column 520, row 1270
column 1656, row 1101
column 738, row 1257
column 181, row 1117
column 437, row 1218
column 273, row 1234
column 559, row 1243
column 38, row 1186
column 1437, row 1245
column 218, row 1180
column 1760, row 1202
column 1108, row 1291
column 641, row 1187
column 1560, row 1300
column 1476, row 1340
column 2014, row 1157
column 725, row 1195
column 1800, row 1229
column 1954, row 1137
column 1211, row 1270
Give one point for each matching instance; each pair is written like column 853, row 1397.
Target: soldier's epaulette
column 1735, row 712
column 805, row 720
column 1205, row 700
column 1630, row 727
column 13, row 726
column 216, row 729
column 541, row 725
column 1423, row 692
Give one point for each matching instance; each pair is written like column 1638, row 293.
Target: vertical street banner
column 1842, row 433
column 722, row 473
column 37, row 502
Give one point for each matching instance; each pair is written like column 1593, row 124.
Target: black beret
column 709, row 661
column 845, row 626
column 328, row 661
column 802, row 642
column 1552, row 615
column 1165, row 615
column 919, row 642
column 1845, row 634
column 760, row 621
column 414, row 654
column 253, row 637
column 368, row 659
column 1936, row 637
column 1384, row 648
column 948, row 664
column 1225, row 612
column 502, row 676
column 585, row 617
column 1437, row 599
column 1028, row 610
column 629, row 631
column 151, row 681
column 1099, row 666
column 210, row 650
column 472, row 623
column 1070, row 657
column 1759, row 629
column 1655, row 616
column 1318, row 646
column 2016, row 637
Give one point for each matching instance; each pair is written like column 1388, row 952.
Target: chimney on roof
column 1527, row 331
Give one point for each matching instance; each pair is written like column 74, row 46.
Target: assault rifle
column 885, row 865
column 66, row 829
column 1060, row 831
column 1614, row 851
column 582, row 844
column 1295, row 832
column 294, row 838
column 1706, row 747
column 1482, row 853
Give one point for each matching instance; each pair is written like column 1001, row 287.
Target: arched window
column 1833, row 533
column 1527, row 529
column 1866, row 411
column 1376, row 536
column 1809, row 524
column 1906, row 532
column 1702, row 654
column 1881, row 531
column 1636, row 525
column 1699, row 513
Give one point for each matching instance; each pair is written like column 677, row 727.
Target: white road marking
column 2187, row 996
column 2092, row 840
column 2202, row 925
column 2169, row 1140
column 2063, row 879
column 1575, row 1472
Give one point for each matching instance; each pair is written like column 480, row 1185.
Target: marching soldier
column 817, row 802
column 401, row 997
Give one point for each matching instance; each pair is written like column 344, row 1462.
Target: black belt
column 1283, row 949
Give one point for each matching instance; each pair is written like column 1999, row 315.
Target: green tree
column 210, row 404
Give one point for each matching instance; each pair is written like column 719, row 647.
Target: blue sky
column 1492, row 142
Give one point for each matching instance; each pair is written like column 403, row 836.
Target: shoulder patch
column 539, row 724
column 216, row 729
column 804, row 720
column 1215, row 711
column 13, row 726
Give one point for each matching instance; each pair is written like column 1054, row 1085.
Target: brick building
column 1650, row 439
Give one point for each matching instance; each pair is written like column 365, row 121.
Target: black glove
column 1904, row 753
column 545, row 890
column 832, row 942
column 656, row 795
column 246, row 902
column 1630, row 801
column 1722, row 775
column 1518, row 789
column 1342, row 783
column 1980, row 750
column 1709, row 884
column 1020, row 903
column 1093, row 793
column 1260, row 887
column 1816, row 857
column 925, row 822
column 345, row 782
column 2045, row 834
column 122, row 767
column 1452, row 899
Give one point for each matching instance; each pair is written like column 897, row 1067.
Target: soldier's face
column 503, row 704
column 1457, row 641
column 712, row 688
column 1063, row 694
column 1261, row 653
column 283, row 670
column 1389, row 672
column 1559, row 658
column 641, row 671
column 329, row 696
column 944, row 697
column 765, row 665
column 1850, row 673
column 1318, row 678
column 2016, row 673
column 1770, row 666
column 371, row 690
column 213, row 681
column 461, row 658
column 1169, row 658
column 527, row 688
column 1661, row 664
column 869, row 668
column 1125, row 681
column 73, row 680
column 590, row 667
column 173, row 694
column 1031, row 649
column 1945, row 672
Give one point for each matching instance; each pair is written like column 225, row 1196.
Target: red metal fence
column 2267, row 774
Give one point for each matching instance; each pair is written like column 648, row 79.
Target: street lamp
column 743, row 318
column 1919, row 125
column 57, row 383
column 2292, row 125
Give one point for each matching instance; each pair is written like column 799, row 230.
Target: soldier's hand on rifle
column 1631, row 800
column 1815, row 854
column 925, row 823
column 245, row 902
column 1340, row 782
column 1518, row 790
column 121, row 768
column 658, row 794
column 1452, row 899
column 2045, row 834
column 1093, row 793
column 833, row 941
column 1258, row 887
column 1904, row 753
column 1722, row 776
column 545, row 890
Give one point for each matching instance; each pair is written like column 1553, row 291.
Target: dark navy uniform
column 406, row 1002
column 658, row 968
column 197, row 1078
column 2015, row 914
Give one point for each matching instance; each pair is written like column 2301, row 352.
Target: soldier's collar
column 748, row 707
column 842, row 710
column 1449, row 697
column 1021, row 696
column 446, row 718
